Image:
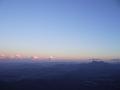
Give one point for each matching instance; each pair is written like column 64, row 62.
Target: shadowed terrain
column 96, row 75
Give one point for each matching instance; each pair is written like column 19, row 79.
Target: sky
column 60, row 28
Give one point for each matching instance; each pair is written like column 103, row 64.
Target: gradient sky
column 60, row 28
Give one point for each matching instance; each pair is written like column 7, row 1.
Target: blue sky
column 61, row 28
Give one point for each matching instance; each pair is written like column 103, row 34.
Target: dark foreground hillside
column 59, row 76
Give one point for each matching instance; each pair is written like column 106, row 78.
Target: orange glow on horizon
column 55, row 57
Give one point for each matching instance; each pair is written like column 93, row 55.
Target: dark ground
column 59, row 76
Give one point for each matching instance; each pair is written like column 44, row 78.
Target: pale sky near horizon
column 60, row 28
